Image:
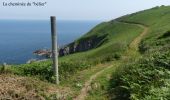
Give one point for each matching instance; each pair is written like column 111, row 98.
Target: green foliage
column 44, row 71
column 41, row 70
column 165, row 35
column 149, row 17
column 118, row 39
column 148, row 78
column 2, row 69
column 67, row 69
column 136, row 79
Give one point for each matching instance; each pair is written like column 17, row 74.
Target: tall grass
column 148, row 78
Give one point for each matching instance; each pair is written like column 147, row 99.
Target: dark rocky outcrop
column 43, row 52
column 83, row 44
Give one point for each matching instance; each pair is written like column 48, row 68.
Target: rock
column 79, row 85
column 44, row 52
column 82, row 45
column 31, row 61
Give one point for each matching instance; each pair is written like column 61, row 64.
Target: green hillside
column 148, row 78
column 137, row 73
column 118, row 39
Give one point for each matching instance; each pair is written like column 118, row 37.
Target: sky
column 76, row 9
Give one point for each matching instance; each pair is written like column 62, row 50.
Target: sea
column 20, row 38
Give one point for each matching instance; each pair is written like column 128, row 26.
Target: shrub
column 135, row 81
column 44, row 71
column 165, row 35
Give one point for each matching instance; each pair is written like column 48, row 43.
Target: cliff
column 83, row 44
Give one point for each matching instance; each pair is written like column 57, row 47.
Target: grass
column 19, row 87
column 102, row 88
column 147, row 78
column 116, row 33
column 101, row 83
column 149, row 17
column 76, row 82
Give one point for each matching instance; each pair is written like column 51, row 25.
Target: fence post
column 54, row 48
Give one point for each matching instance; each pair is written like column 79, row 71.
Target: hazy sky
column 77, row 9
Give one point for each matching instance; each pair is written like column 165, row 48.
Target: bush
column 44, row 71
column 117, row 56
column 135, row 81
column 143, row 79
column 165, row 35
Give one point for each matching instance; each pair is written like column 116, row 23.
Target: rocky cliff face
column 83, row 44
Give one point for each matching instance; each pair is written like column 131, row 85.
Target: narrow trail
column 86, row 88
column 133, row 46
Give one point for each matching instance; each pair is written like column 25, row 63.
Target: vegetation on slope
column 148, row 78
column 102, row 81
column 118, row 40
column 25, row 88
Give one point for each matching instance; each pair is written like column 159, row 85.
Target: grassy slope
column 102, row 82
column 15, row 87
column 116, row 33
column 135, row 80
column 147, row 78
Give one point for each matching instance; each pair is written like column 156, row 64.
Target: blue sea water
column 20, row 38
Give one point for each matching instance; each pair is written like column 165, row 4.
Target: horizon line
column 57, row 19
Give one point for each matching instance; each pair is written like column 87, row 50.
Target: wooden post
column 54, row 49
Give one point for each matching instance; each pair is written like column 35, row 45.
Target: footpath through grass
column 102, row 83
column 148, row 77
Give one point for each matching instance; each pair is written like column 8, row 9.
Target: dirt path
column 133, row 46
column 86, row 88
